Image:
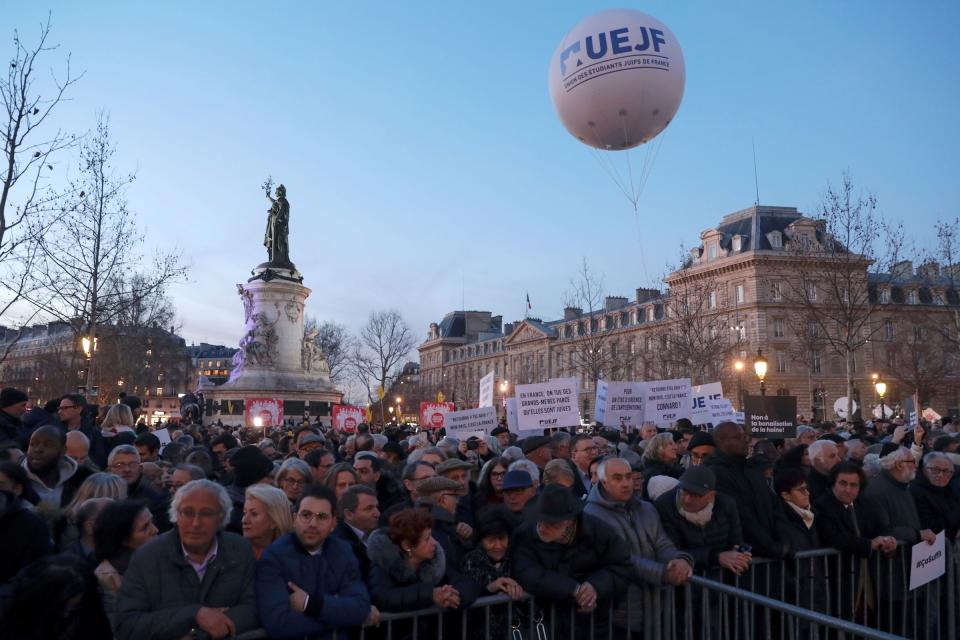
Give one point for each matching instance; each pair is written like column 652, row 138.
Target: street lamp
column 881, row 388
column 738, row 366
column 760, row 367
column 399, row 412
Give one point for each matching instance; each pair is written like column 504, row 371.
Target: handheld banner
column 470, row 423
column 433, row 414
column 486, row 391
column 666, row 401
column 548, row 404
column 346, row 418
column 771, row 416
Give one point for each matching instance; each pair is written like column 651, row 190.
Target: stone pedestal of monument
column 275, row 361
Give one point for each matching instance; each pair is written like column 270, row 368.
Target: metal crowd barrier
column 818, row 594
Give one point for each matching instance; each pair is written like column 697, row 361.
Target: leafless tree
column 90, row 268
column 832, row 261
column 334, row 341
column 28, row 204
column 921, row 365
column 380, row 352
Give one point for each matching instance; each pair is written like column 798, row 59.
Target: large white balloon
column 617, row 79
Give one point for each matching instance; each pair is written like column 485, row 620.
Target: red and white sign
column 346, row 418
column 264, row 412
column 433, row 415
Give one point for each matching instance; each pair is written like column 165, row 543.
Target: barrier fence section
column 817, row 594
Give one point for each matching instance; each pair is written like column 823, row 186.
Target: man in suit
column 582, row 452
column 358, row 512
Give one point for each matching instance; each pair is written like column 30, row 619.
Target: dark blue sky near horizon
column 424, row 163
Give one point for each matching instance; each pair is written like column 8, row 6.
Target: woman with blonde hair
column 97, row 485
column 117, row 427
column 266, row 516
column 661, row 458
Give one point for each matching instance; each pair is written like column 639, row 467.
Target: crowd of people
column 303, row 532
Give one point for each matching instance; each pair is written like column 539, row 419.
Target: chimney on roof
column 572, row 313
column 644, row 295
column 508, row 329
column 614, row 302
column 902, row 270
column 497, row 321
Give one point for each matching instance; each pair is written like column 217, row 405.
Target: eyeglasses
column 120, row 466
column 593, row 448
column 66, row 406
column 293, row 482
column 309, row 516
column 497, row 474
column 801, row 489
column 190, row 514
column 937, row 471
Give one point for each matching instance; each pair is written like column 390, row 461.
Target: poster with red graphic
column 346, row 418
column 264, row 412
column 433, row 415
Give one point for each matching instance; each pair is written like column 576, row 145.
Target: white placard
column 622, row 403
column 701, row 395
column 738, row 417
column 512, row 423
column 164, row 436
column 928, row 561
column 472, row 422
column 721, row 410
column 666, row 401
column 548, row 404
column 486, row 391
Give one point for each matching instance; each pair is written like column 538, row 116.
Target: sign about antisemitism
column 433, row 414
column 770, row 416
column 472, row 422
column 548, row 404
column 486, row 391
column 701, row 396
column 666, row 401
column 620, row 404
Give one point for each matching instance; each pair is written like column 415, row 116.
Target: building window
column 889, row 329
column 918, row 334
column 740, row 294
column 159, row 391
column 712, row 251
column 816, row 364
column 775, row 240
column 911, row 297
column 736, row 243
column 777, row 292
column 884, row 296
column 712, row 301
column 891, row 359
column 811, row 292
column 814, row 330
column 778, row 327
column 781, row 362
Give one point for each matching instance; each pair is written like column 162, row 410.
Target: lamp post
column 738, row 366
column 504, row 387
column 881, row 388
column 399, row 410
column 760, row 367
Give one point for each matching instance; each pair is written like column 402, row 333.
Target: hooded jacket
column 70, row 477
column 338, row 597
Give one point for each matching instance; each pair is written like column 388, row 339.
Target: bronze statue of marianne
column 278, row 228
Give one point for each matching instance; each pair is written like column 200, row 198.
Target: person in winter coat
column 844, row 520
column 308, row 582
column 702, row 522
column 653, row 557
column 120, row 529
column 438, row 495
column 756, row 504
column 890, row 494
column 570, row 560
column 54, row 476
column 661, row 458
column 409, row 571
column 194, row 578
column 13, row 404
column 937, row 504
column 24, row 536
column 797, row 525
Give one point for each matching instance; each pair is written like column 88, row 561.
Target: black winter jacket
column 705, row 544
column 836, row 528
column 938, row 508
column 553, row 571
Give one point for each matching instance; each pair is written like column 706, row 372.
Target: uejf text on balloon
column 620, row 44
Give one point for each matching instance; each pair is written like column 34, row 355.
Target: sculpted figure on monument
column 259, row 345
column 311, row 356
column 278, row 228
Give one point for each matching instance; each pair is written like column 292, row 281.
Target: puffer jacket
column 554, row 571
column 706, row 543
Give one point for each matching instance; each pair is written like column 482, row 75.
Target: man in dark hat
column 571, row 560
column 13, row 404
column 539, row 450
column 502, row 434
column 699, row 448
column 518, row 491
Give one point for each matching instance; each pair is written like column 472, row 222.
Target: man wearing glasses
column 124, row 461
column 582, row 451
column 308, row 582
column 195, row 581
column 72, row 415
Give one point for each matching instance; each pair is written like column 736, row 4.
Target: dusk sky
column 426, row 168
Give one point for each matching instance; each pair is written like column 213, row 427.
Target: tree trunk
column 849, row 384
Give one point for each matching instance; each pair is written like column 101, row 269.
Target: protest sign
column 264, row 412
column 927, row 561
column 700, row 396
column 163, row 435
column 738, row 417
column 909, row 405
column 548, row 404
column 513, row 424
column 486, row 391
column 620, row 404
column 721, row 410
column 472, row 422
column 666, row 401
column 771, row 416
column 433, row 414
column 346, row 418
